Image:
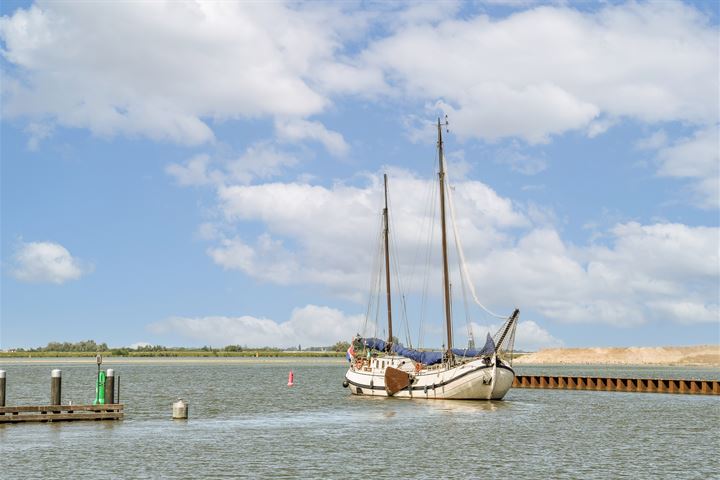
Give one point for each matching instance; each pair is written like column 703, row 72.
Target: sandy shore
column 701, row 355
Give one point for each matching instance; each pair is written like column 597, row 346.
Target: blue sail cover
column 487, row 350
column 374, row 343
column 428, row 358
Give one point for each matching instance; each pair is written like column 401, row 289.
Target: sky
column 210, row 173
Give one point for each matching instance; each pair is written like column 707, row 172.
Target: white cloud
column 653, row 142
column 297, row 129
column 548, row 70
column 194, row 172
column 515, row 254
column 261, row 160
column 519, row 161
column 165, row 70
column 38, row 132
column 529, row 336
column 316, row 220
column 46, row 262
column 162, row 70
column 688, row 311
column 616, row 284
column 696, row 158
column 311, row 325
column 693, row 157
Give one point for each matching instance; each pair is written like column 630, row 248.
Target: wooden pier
column 103, row 407
column 654, row 385
column 60, row 413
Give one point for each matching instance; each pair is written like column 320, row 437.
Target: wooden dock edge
column 653, row 385
column 60, row 413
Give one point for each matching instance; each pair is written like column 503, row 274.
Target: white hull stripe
column 430, row 387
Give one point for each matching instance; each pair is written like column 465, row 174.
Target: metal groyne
column 651, row 385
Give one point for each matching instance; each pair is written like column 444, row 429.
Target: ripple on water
column 245, row 422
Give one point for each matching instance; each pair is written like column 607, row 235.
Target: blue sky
column 209, row 173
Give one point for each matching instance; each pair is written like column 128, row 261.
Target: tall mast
column 446, row 277
column 387, row 263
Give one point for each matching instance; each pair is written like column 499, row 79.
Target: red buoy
column 291, row 377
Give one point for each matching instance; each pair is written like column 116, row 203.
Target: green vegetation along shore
column 172, row 353
column 89, row 348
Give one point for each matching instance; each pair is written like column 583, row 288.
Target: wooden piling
column 2, row 388
column 56, row 387
column 655, row 385
column 110, row 386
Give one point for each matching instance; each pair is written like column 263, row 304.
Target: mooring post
column 2, row 388
column 55, row 387
column 110, row 386
column 180, row 410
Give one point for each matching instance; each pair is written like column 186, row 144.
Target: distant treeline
column 90, row 348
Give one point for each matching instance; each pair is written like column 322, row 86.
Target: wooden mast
column 446, row 277
column 387, row 264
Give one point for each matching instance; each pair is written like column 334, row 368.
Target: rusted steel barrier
column 702, row 387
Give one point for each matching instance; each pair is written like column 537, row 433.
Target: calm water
column 245, row 422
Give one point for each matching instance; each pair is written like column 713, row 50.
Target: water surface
column 245, row 422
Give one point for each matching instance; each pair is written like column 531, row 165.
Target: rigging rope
column 374, row 282
column 458, row 245
column 395, row 257
column 431, row 205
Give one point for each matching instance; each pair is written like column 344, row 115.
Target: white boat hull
column 473, row 380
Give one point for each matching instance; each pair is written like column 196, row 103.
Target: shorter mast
column 387, row 264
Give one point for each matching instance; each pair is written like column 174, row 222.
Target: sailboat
column 388, row 369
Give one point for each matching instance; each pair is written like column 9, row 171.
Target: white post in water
column 55, row 387
column 180, row 410
column 2, row 388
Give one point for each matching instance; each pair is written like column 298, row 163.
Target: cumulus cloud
column 519, row 161
column 260, row 161
column 515, row 254
column 616, row 283
column 696, row 158
column 164, row 69
column 193, row 172
column 297, row 129
column 315, row 221
column 547, row 70
column 46, row 262
column 529, row 336
column 310, row 325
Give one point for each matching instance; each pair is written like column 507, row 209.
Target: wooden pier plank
column 60, row 413
column 59, row 417
column 61, row 408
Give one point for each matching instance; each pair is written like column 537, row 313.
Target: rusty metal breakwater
column 654, row 385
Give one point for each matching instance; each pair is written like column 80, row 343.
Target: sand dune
column 706, row 355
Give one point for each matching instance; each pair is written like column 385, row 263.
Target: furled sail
column 426, row 358
column 486, row 351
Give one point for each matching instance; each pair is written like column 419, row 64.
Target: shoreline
column 692, row 356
